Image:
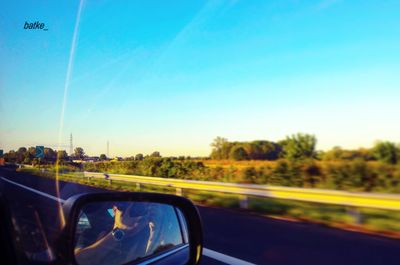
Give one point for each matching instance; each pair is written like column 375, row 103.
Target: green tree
column 20, row 155
column 10, row 157
column 155, row 154
column 219, row 148
column 139, row 157
column 386, row 152
column 263, row 150
column 50, row 154
column 79, row 153
column 238, row 153
column 103, row 157
column 300, row 146
column 32, row 152
column 29, row 155
column 21, row 150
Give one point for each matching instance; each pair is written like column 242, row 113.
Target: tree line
column 25, row 155
column 300, row 147
column 293, row 162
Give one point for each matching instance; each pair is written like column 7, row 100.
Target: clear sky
column 172, row 75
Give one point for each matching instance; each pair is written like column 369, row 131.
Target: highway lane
column 236, row 234
column 35, row 203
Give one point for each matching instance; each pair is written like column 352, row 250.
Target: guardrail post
column 179, row 191
column 355, row 214
column 137, row 186
column 243, row 201
column 110, row 181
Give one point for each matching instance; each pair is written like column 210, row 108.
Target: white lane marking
column 206, row 252
column 35, row 191
column 224, row 258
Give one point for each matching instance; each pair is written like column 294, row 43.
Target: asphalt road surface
column 231, row 237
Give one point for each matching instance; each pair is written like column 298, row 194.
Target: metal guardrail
column 352, row 199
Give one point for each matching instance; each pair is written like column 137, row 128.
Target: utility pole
column 71, row 147
column 108, row 149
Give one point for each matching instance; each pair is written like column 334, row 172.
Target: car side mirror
column 118, row 228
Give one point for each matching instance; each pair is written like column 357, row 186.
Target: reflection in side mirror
column 122, row 232
column 132, row 228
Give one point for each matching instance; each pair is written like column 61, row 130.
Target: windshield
column 278, row 119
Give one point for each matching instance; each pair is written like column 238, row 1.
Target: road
column 234, row 237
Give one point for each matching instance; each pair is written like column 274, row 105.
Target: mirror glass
column 116, row 232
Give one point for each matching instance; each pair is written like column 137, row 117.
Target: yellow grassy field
column 237, row 164
column 259, row 163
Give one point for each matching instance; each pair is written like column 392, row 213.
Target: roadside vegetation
column 293, row 162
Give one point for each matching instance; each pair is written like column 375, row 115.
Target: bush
column 358, row 175
column 249, row 175
column 312, row 174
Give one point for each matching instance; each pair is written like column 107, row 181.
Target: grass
column 373, row 220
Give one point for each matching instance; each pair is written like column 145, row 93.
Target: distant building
column 87, row 159
column 92, row 159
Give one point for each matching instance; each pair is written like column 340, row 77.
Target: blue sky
column 172, row 75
